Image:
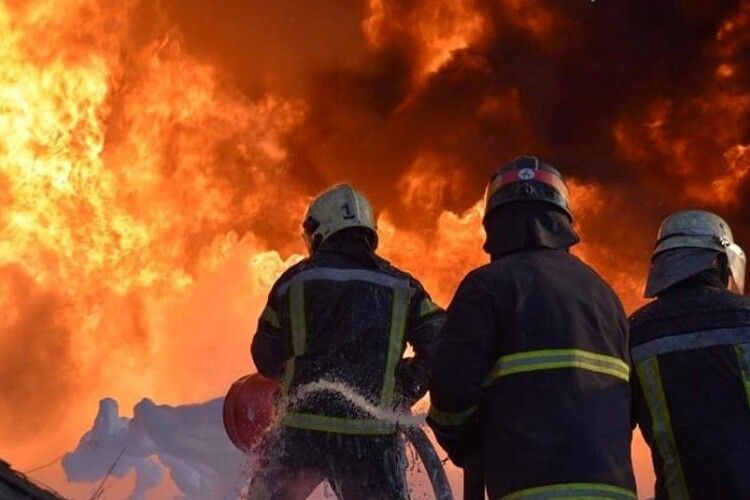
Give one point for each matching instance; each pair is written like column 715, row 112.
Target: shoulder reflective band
column 427, row 307
column 299, row 330
column 573, row 490
column 333, row 274
column 552, row 359
column 339, row 425
column 743, row 357
column 649, row 377
column 395, row 344
column 451, row 419
column 690, row 341
column 270, row 316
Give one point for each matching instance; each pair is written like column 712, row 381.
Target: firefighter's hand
column 411, row 388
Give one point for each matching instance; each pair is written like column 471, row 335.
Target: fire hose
column 431, row 461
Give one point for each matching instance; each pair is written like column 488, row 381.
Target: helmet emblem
column 526, row 174
column 347, row 213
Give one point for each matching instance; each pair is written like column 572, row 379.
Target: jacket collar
column 526, row 226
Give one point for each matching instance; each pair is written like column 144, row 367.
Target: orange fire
column 436, row 28
column 151, row 196
column 117, row 168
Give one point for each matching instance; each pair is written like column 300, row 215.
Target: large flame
column 118, row 168
column 155, row 160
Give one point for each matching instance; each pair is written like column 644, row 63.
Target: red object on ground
column 248, row 409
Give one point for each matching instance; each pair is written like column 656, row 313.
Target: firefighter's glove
column 412, row 386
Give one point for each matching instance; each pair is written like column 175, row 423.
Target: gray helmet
column 338, row 208
column 704, row 234
column 527, row 178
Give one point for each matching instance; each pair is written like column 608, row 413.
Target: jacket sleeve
column 425, row 321
column 463, row 357
column 271, row 345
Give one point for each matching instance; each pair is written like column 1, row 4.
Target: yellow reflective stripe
column 338, row 425
column 649, row 377
column 743, row 357
column 286, row 380
column 551, row 359
column 427, row 307
column 270, row 316
column 449, row 418
column 573, row 490
column 299, row 330
column 395, row 344
column 297, row 315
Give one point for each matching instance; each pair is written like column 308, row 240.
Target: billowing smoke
column 648, row 103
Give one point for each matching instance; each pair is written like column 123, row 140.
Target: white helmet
column 338, row 208
column 694, row 229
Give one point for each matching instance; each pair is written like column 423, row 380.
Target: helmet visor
column 737, row 263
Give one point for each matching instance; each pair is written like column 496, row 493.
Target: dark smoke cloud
column 36, row 368
column 558, row 79
column 276, row 45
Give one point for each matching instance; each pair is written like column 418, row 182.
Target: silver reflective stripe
column 690, row 341
column 333, row 274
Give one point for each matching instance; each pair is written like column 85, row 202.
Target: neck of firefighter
column 519, row 226
column 353, row 241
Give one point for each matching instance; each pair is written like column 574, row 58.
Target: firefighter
column 691, row 355
column 530, row 380
column 343, row 316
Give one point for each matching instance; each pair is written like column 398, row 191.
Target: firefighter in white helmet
column 691, row 353
column 342, row 316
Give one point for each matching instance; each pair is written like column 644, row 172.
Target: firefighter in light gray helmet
column 342, row 316
column 691, row 352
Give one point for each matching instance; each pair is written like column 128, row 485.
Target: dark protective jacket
column 345, row 315
column 691, row 395
column 531, row 370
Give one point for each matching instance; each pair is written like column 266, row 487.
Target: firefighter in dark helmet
column 342, row 316
column 530, row 379
column 691, row 357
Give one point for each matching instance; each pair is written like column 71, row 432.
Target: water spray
column 409, row 425
column 400, row 419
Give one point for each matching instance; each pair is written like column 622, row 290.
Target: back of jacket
column 691, row 350
column 549, row 342
column 343, row 317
